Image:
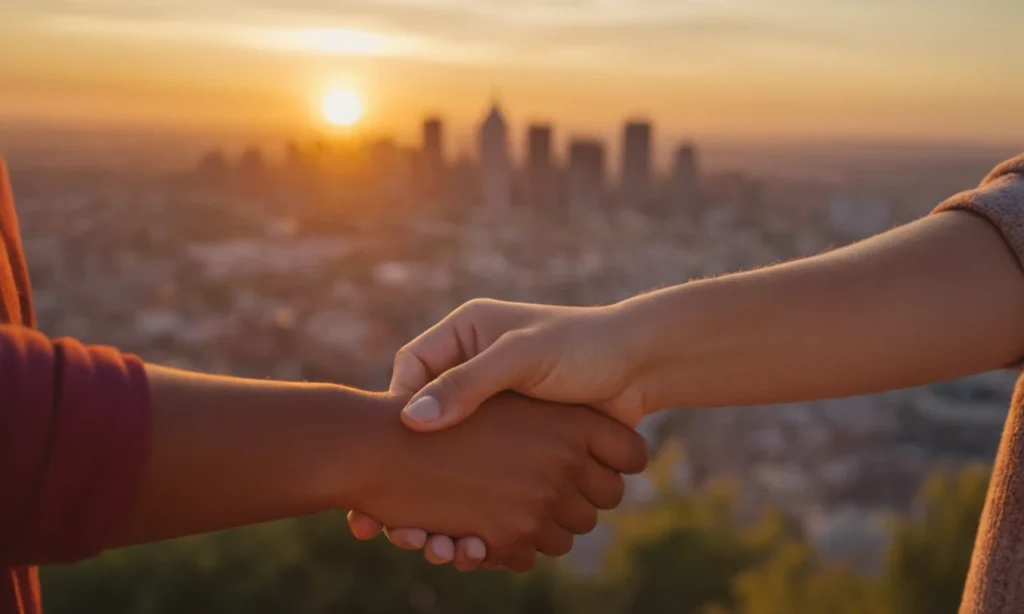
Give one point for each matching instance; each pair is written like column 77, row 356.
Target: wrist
column 362, row 441
column 657, row 331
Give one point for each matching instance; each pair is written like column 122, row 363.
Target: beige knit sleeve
column 995, row 581
column 1000, row 200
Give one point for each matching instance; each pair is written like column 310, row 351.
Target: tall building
column 213, row 167
column 495, row 171
column 538, row 146
column 585, row 182
column 433, row 143
column 685, row 177
column 251, row 164
column 540, row 176
column 635, row 178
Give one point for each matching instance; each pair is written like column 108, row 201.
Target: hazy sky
column 921, row 69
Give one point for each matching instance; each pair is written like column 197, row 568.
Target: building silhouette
column 585, row 181
column 213, row 167
column 685, row 177
column 540, row 174
column 636, row 178
column 433, row 146
column 495, row 170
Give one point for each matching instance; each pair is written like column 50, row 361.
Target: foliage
column 679, row 554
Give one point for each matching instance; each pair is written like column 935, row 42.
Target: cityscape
column 318, row 263
column 292, row 190
column 579, row 181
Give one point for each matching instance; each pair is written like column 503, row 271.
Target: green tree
column 683, row 552
column 310, row 565
column 793, row 581
column 927, row 561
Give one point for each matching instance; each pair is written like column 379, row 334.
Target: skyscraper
column 685, row 178
column 585, row 180
column 433, row 143
column 538, row 138
column 635, row 179
column 495, row 172
column 540, row 169
column 430, row 167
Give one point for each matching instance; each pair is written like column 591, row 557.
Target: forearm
column 936, row 299
column 228, row 452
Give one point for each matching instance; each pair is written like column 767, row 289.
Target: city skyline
column 714, row 69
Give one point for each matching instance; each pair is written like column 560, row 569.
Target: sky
column 921, row 70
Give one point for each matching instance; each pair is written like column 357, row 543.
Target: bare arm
column 938, row 298
column 524, row 475
column 228, row 452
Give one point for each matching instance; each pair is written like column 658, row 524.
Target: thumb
column 459, row 391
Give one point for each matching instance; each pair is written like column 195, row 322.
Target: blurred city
column 317, row 259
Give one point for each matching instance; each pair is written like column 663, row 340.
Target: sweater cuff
column 1000, row 200
column 100, row 443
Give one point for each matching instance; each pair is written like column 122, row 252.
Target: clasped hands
column 541, row 466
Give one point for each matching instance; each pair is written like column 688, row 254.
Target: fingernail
column 424, row 409
column 415, row 538
column 476, row 550
column 443, row 549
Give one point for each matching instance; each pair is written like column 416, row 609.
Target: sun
column 342, row 107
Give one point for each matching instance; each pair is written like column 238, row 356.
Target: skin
column 525, row 476
column 937, row 299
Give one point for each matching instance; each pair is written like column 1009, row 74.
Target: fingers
column 427, row 356
column 554, row 540
column 440, row 550
column 459, row 391
column 461, row 335
column 602, row 487
column 575, row 514
column 470, row 552
column 407, row 539
column 362, row 526
column 521, row 560
column 618, row 447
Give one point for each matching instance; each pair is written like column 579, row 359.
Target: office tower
column 585, row 176
column 635, row 179
column 540, row 169
column 538, row 140
column 433, row 145
column 430, row 166
column 685, row 178
column 251, row 164
column 495, row 172
column 213, row 166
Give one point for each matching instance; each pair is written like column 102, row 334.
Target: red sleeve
column 74, row 442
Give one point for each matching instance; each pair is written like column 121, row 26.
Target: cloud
column 644, row 36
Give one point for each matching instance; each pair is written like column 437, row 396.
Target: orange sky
column 892, row 69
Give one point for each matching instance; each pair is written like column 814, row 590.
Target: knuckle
column 546, row 495
column 639, row 455
column 455, row 381
column 404, row 354
column 527, row 525
column 566, row 459
column 616, row 493
column 475, row 307
column 562, row 548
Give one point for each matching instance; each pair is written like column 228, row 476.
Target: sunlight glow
column 342, row 107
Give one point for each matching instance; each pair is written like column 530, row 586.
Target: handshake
column 518, row 427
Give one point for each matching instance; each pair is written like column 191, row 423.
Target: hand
column 568, row 354
column 523, row 475
column 583, row 355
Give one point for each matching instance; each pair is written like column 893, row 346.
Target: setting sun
column 342, row 107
